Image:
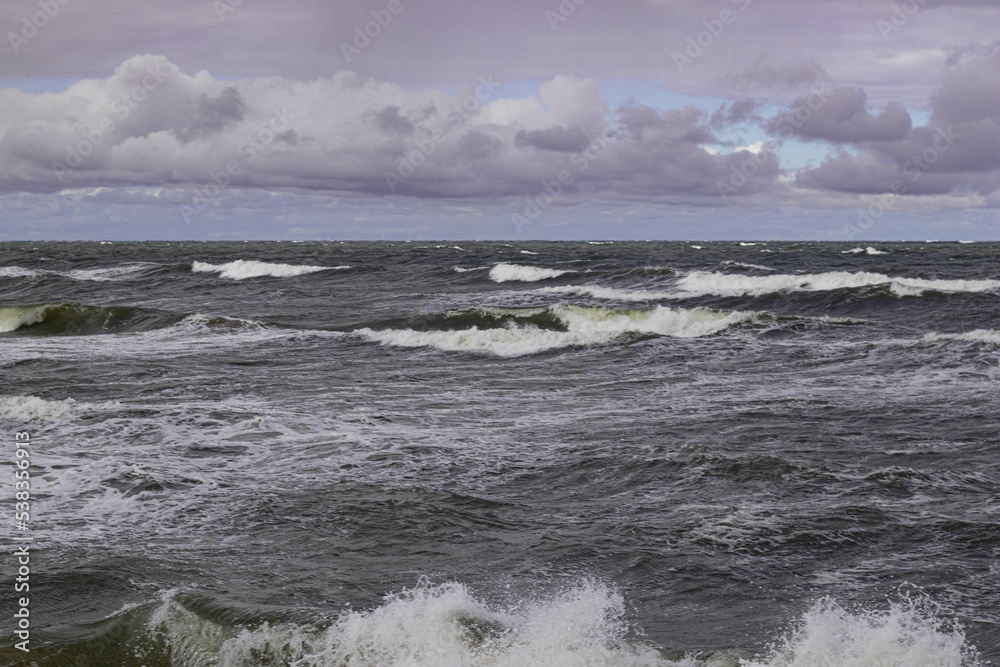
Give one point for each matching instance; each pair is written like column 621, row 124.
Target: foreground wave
column 448, row 626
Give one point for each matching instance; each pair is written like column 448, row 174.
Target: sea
column 698, row 454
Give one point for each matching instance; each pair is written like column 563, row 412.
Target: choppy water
column 505, row 454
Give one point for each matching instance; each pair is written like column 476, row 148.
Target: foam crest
column 447, row 626
column 439, row 626
column 504, row 272
column 17, row 272
column 662, row 321
column 868, row 251
column 103, row 274
column 705, row 283
column 909, row 634
column 989, row 336
column 580, row 326
column 13, row 318
column 241, row 269
column 32, row 408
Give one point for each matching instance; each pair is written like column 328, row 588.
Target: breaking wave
column 868, row 251
column 78, row 319
column 702, row 283
column 503, row 273
column 989, row 336
column 102, row 274
column 31, row 408
column 241, row 269
column 447, row 625
column 515, row 332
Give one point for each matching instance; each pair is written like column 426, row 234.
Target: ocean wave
column 869, row 251
column 521, row 332
column 241, row 269
column 608, row 293
column 102, row 274
column 446, row 625
column 31, row 408
column 989, row 336
column 908, row 634
column 504, row 272
column 702, row 283
column 49, row 319
column 746, row 265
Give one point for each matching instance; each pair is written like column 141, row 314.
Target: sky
column 843, row 120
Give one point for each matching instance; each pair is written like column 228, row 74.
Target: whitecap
column 241, row 269
column 703, row 283
column 504, row 272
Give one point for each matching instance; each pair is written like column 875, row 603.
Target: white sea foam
column 528, row 252
column 15, row 317
column 17, row 272
column 990, row 336
column 109, row 273
column 459, row 269
column 869, row 250
column 504, row 272
column 195, row 334
column 242, row 269
column 585, row 326
column 702, row 283
column 103, row 274
column 32, row 408
column 433, row 626
column 746, row 265
column 584, row 626
column 907, row 635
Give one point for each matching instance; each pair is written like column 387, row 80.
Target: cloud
column 843, row 117
column 149, row 124
column 778, row 76
column 957, row 151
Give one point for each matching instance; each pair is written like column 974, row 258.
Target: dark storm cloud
column 843, row 117
column 303, row 119
column 564, row 139
column 152, row 125
column 959, row 149
column 779, row 44
column 391, row 121
column 778, row 76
